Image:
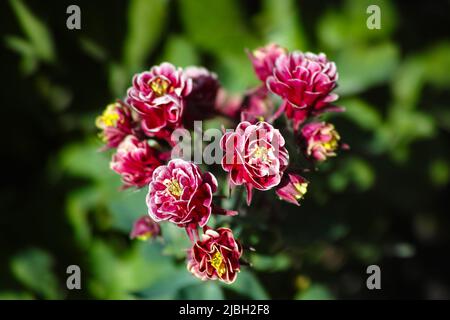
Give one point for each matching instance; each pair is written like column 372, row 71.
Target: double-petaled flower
column 320, row 140
column 215, row 256
column 292, row 188
column 158, row 97
column 116, row 122
column 263, row 59
column 135, row 161
column 305, row 81
column 145, row 228
column 180, row 193
column 201, row 101
column 255, row 156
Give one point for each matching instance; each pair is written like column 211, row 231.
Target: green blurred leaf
column 216, row 26
column 274, row 263
column 34, row 269
column 363, row 67
column 85, row 160
column 10, row 295
column 315, row 292
column 120, row 276
column 280, row 23
column 361, row 113
column 347, row 27
column 36, row 31
column 437, row 61
column 180, row 52
column 248, row 285
column 126, row 207
column 93, row 49
column 208, row 290
column 439, row 172
column 146, row 21
column 29, row 60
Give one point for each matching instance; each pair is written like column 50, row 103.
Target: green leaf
column 120, row 276
column 209, row 290
column 274, row 263
column 248, row 285
column 315, row 292
column 440, row 172
column 126, row 207
column 280, row 23
column 180, row 52
column 93, row 49
column 34, row 269
column 36, row 31
column 347, row 27
column 216, row 26
column 146, row 21
column 11, row 295
column 363, row 67
column 361, row 113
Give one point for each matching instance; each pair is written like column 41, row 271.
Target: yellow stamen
column 302, row 188
column 218, row 263
column 261, row 153
column 109, row 117
column 173, row 187
column 160, row 86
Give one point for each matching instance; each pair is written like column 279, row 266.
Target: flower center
column 301, row 188
column 218, row 263
column 332, row 144
column 109, row 118
column 160, row 86
column 173, row 187
column 261, row 153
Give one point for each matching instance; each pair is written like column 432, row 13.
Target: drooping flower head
column 145, row 228
column 180, row 193
column 305, row 81
column 292, row 188
column 320, row 140
column 116, row 123
column 200, row 103
column 263, row 59
column 135, row 161
column 255, row 156
column 215, row 256
column 257, row 106
column 158, row 96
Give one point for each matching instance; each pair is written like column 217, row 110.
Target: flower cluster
column 255, row 154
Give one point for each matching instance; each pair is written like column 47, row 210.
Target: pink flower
column 305, row 81
column 256, row 106
column 292, row 188
column 181, row 194
column 320, row 140
column 145, row 228
column 116, row 123
column 135, row 161
column 215, row 256
column 254, row 156
column 200, row 103
column 263, row 59
column 158, row 96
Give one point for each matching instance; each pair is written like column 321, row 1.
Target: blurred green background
column 384, row 202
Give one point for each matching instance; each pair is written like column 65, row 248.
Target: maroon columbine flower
column 181, row 194
column 257, row 106
column 320, row 140
column 254, row 156
column 200, row 103
column 145, row 228
column 135, row 161
column 215, row 256
column 263, row 59
column 158, row 96
column 292, row 188
column 305, row 81
column 116, row 123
